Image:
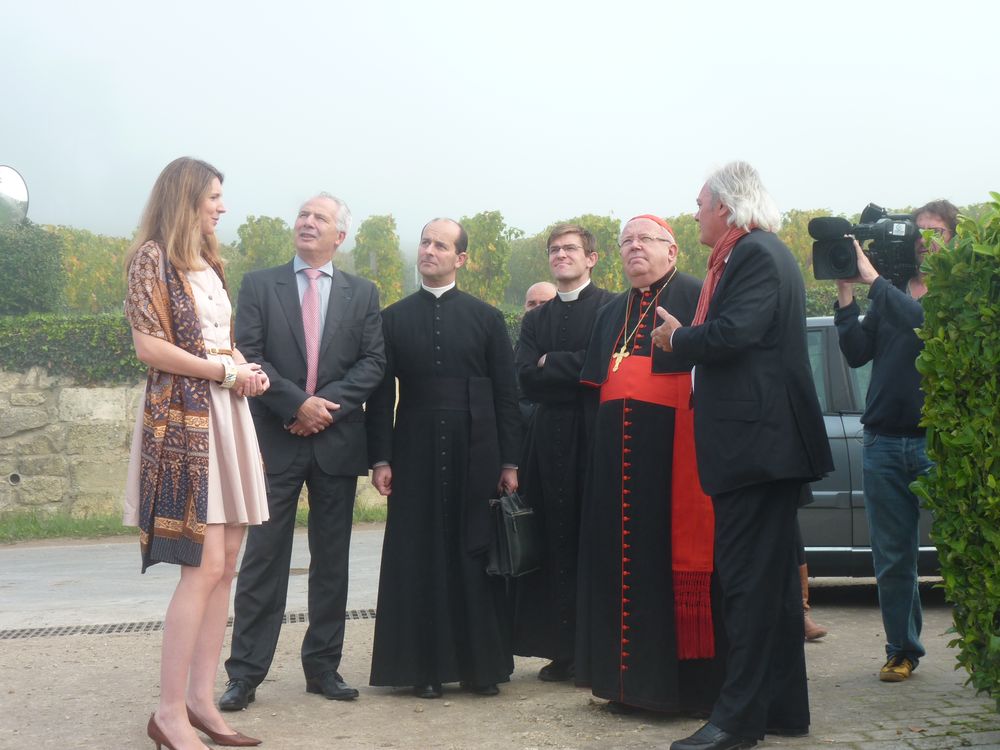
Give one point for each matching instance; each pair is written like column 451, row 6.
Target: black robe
column 553, row 465
column 440, row 618
column 626, row 638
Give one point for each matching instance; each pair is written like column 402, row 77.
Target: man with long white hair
column 759, row 438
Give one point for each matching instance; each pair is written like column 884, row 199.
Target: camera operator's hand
column 866, row 271
column 866, row 275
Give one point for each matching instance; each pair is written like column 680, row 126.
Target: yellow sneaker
column 897, row 669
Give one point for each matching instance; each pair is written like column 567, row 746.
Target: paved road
column 97, row 583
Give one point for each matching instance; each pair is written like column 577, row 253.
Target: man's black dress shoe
column 332, row 685
column 239, row 694
column 557, row 670
column 710, row 737
column 490, row 689
column 427, row 691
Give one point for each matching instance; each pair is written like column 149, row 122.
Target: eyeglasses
column 554, row 249
column 642, row 239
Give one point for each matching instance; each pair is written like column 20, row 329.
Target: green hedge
column 32, row 278
column 960, row 365
column 88, row 348
column 98, row 348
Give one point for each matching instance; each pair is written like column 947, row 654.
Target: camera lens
column 842, row 257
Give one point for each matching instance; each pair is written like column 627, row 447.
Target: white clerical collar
column 437, row 291
column 575, row 294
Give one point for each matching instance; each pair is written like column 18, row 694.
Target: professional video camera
column 892, row 247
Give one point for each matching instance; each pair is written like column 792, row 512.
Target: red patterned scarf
column 716, row 265
column 173, row 474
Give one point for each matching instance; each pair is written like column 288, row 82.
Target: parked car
column 834, row 526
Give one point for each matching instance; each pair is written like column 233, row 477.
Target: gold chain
column 624, row 352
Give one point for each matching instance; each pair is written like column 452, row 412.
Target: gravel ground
column 96, row 691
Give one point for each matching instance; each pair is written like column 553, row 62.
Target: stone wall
column 62, row 447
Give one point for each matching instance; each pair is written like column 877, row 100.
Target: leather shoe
column 239, row 694
column 332, row 685
column 557, row 670
column 710, row 737
column 490, row 689
column 430, row 690
column 236, row 739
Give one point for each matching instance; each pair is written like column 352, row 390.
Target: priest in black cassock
column 646, row 625
column 455, row 443
column 549, row 356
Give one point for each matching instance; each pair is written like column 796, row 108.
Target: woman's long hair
column 171, row 218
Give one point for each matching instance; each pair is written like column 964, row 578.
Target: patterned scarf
column 716, row 265
column 173, row 474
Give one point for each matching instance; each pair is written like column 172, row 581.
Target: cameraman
column 894, row 444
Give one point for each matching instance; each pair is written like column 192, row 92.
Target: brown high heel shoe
column 227, row 740
column 156, row 734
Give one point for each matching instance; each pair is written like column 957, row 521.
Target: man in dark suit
column 759, row 437
column 317, row 333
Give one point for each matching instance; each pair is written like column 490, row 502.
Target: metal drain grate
column 150, row 626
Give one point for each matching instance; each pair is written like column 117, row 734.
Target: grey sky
column 542, row 110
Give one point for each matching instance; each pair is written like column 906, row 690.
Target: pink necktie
column 310, row 322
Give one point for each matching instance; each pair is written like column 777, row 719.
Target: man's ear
column 460, row 259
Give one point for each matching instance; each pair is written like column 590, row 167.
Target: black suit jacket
column 757, row 417
column 351, row 363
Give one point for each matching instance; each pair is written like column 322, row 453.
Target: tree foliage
column 529, row 257
column 485, row 273
column 607, row 274
column 960, row 365
column 377, row 256
column 794, row 232
column 32, row 278
column 692, row 256
column 94, row 268
column 264, row 241
column 528, row 265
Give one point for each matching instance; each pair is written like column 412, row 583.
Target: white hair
column 739, row 188
column 343, row 217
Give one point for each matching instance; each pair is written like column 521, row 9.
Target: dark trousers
column 755, row 557
column 262, row 584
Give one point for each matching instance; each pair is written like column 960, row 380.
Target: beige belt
column 214, row 350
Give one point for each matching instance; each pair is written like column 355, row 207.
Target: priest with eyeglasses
column 646, row 622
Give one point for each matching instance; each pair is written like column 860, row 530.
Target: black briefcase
column 516, row 544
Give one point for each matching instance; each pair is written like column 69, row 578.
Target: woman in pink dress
column 195, row 475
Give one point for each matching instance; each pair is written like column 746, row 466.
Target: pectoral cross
column 618, row 356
